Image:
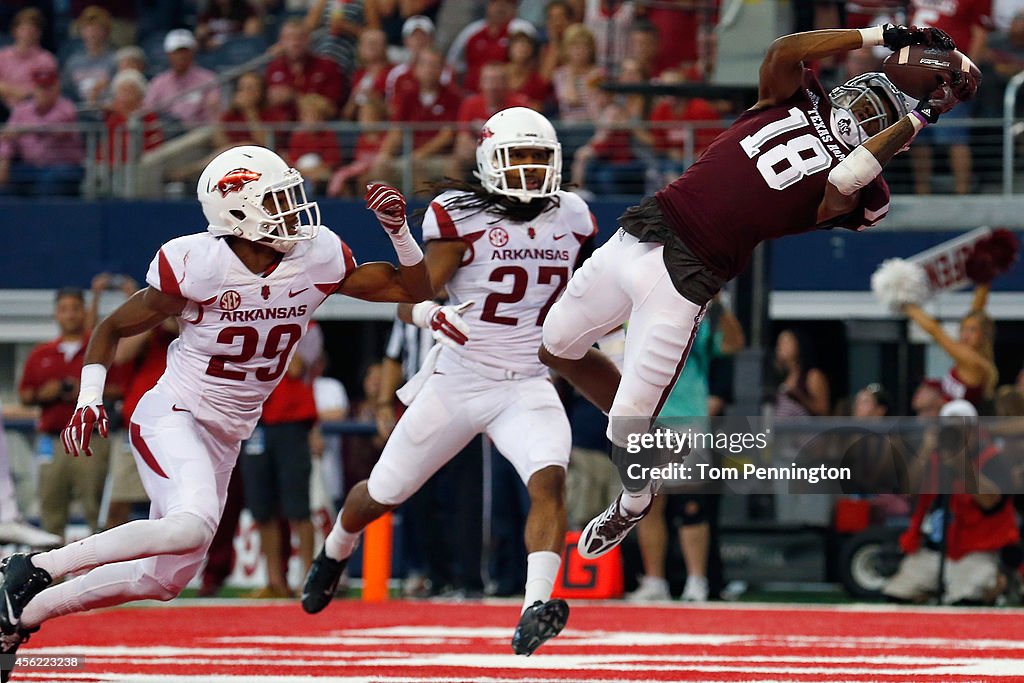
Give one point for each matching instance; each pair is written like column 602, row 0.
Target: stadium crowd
column 324, row 80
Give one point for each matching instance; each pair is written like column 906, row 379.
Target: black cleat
column 541, row 622
column 21, row 582
column 321, row 582
column 9, row 644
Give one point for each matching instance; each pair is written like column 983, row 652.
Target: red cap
column 45, row 78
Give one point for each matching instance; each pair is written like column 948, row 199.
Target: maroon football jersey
column 763, row 178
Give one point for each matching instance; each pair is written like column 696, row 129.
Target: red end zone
column 425, row 641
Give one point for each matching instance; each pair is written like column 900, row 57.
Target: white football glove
column 445, row 321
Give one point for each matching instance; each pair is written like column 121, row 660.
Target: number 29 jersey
column 513, row 270
column 763, row 178
column 239, row 329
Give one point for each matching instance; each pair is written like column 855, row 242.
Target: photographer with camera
column 962, row 520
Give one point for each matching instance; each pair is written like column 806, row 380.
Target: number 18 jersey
column 513, row 270
column 239, row 328
column 763, row 178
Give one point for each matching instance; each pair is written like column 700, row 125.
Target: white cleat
column 20, row 533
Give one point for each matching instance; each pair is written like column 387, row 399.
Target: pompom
column 992, row 256
column 897, row 282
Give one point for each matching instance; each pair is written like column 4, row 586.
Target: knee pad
column 148, row 587
column 663, row 352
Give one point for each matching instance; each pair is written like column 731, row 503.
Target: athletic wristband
column 423, row 312
column 917, row 120
column 90, row 391
column 409, row 252
column 872, row 36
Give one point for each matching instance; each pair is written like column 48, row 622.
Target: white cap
column 417, row 22
column 958, row 408
column 179, row 38
column 129, row 76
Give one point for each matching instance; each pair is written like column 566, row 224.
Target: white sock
column 340, row 543
column 633, row 504
column 541, row 572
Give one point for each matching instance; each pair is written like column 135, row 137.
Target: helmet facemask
column 287, row 199
column 877, row 101
column 494, row 163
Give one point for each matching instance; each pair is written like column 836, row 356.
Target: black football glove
column 938, row 103
column 896, row 37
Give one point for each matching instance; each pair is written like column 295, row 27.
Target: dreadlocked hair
column 476, row 200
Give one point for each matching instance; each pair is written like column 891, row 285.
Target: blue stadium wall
column 53, row 244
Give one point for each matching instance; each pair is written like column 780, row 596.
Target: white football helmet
column 874, row 90
column 506, row 130
column 232, row 190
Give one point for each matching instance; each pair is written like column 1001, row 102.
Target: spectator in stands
column 804, row 389
column 390, row 15
column 1002, row 60
column 129, row 88
column 611, row 162
column 678, row 27
column 43, row 163
column 968, row 522
column 372, row 76
column 130, row 57
column 523, row 74
column 974, row 374
column 677, row 146
column 22, row 59
column 559, row 17
column 344, row 22
column 351, row 179
column 50, row 380
column 226, row 19
column 126, row 25
column 430, row 102
column 313, row 149
column 486, row 41
column 610, row 22
column 928, row 398
column 187, row 91
column 643, row 47
column 88, row 71
column 247, row 119
column 576, row 83
column 967, row 22
column 297, row 71
column 494, row 96
column 417, row 36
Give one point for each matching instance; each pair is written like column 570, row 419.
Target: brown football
column 918, row 70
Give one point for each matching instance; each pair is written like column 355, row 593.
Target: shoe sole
column 549, row 628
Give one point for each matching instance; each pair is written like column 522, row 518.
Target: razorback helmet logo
column 234, row 181
column 485, row 133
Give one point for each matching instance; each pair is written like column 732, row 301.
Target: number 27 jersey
column 513, row 270
column 239, row 329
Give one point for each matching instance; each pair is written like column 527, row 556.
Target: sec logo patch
column 498, row 237
column 230, row 300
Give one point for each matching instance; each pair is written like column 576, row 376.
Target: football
column 918, row 70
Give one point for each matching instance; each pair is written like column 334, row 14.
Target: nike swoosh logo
column 558, row 237
column 11, row 619
column 294, row 294
column 179, row 410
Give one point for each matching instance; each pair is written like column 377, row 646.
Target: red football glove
column 388, row 204
column 78, row 433
column 445, row 322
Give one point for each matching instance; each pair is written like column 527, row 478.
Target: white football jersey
column 514, row 271
column 239, row 329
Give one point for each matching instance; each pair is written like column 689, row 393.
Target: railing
column 625, row 165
